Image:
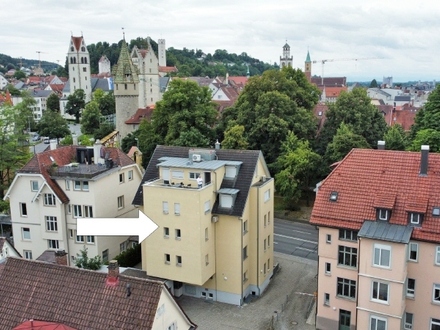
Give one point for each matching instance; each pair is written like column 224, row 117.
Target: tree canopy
column 90, row 119
column 75, row 104
column 53, row 102
column 269, row 107
column 429, row 116
column 53, row 125
column 396, row 138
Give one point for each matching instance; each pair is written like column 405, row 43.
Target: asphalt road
column 296, row 238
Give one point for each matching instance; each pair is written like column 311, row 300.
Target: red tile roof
column 75, row 297
column 368, row 178
column 167, row 69
column 333, row 92
column 42, row 325
column 142, row 113
column 77, row 42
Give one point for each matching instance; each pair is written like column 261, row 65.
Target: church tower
column 162, row 52
column 308, row 67
column 126, row 90
column 79, row 67
column 286, row 59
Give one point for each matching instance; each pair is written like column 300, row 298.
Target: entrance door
column 344, row 319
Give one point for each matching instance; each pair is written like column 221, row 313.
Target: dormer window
column 333, row 196
column 227, row 197
column 383, row 214
column 415, row 218
column 231, row 172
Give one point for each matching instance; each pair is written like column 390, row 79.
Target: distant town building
column 286, row 60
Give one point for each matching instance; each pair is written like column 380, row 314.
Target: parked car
column 46, row 140
column 36, row 137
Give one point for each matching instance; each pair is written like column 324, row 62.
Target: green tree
column 373, row 84
column 342, row 143
column 105, row 101
column 270, row 106
column 19, row 74
column 53, row 125
column 90, row 118
column 75, row 104
column 53, row 102
column 234, row 138
column 428, row 136
column 296, row 165
column 429, row 115
column 395, row 138
column 103, row 130
column 83, row 261
column 354, row 109
column 14, row 154
column 14, row 91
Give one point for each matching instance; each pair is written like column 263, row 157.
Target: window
column 120, row 202
column 268, row 217
column 328, row 238
column 264, row 268
column 410, row 287
column 437, row 255
column 378, row 323
column 347, row 256
column 85, row 185
column 382, row 255
column 268, row 264
column 231, row 171
column 408, row 321
column 436, row 293
column 51, row 223
column 382, row 214
column 49, row 199
column 333, row 196
column 177, row 174
column 436, row 211
column 265, row 244
column 177, row 208
column 206, row 234
column 167, row 258
column 265, row 220
column 79, row 238
column 69, row 209
column 413, row 251
column 379, row 292
column 193, row 175
column 245, row 255
column 53, row 244
column 348, row 235
column 267, row 195
column 245, row 276
column 77, row 211
column 179, row 260
column 105, row 255
column 435, row 324
column 245, row 227
column 90, row 239
column 415, row 218
column 178, row 234
column 207, row 206
column 27, row 254
column 77, row 185
column 165, row 207
column 268, row 240
column 34, row 185
column 26, row 233
column 70, row 233
column 88, row 211
column 346, row 288
column 67, row 184
column 226, row 200
column 23, row 210
column 130, row 175
column 121, row 178
column 328, row 268
column 207, row 259
column 327, row 299
column 166, row 232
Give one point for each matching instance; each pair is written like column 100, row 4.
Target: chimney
column 227, row 79
column 74, row 139
column 217, row 145
column 424, row 160
column 97, row 153
column 113, row 273
column 380, row 145
column 61, row 257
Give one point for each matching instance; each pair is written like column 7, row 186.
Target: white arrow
column 142, row 226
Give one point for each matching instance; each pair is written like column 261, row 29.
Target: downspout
column 357, row 279
column 69, row 258
column 258, row 239
column 242, row 283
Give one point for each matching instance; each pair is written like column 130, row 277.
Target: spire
column 308, row 57
column 125, row 71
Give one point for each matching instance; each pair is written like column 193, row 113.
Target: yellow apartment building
column 214, row 209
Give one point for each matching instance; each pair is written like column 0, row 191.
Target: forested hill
column 189, row 62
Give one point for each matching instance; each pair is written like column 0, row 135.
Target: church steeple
column 286, row 59
column 125, row 71
column 308, row 67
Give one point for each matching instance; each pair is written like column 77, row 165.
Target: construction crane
column 341, row 59
column 39, row 60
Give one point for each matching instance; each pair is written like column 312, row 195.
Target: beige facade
column 211, row 242
column 45, row 209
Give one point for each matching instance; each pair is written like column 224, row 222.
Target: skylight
column 333, row 196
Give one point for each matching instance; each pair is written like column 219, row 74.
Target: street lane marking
column 298, row 239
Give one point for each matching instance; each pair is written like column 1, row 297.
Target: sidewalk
column 285, row 304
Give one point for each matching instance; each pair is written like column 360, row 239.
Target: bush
column 130, row 257
column 83, row 261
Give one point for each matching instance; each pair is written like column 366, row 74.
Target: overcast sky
column 398, row 38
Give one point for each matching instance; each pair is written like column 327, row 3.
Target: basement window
column 333, row 196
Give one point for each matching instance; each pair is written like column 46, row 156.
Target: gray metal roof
column 228, row 191
column 385, row 231
column 203, row 165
